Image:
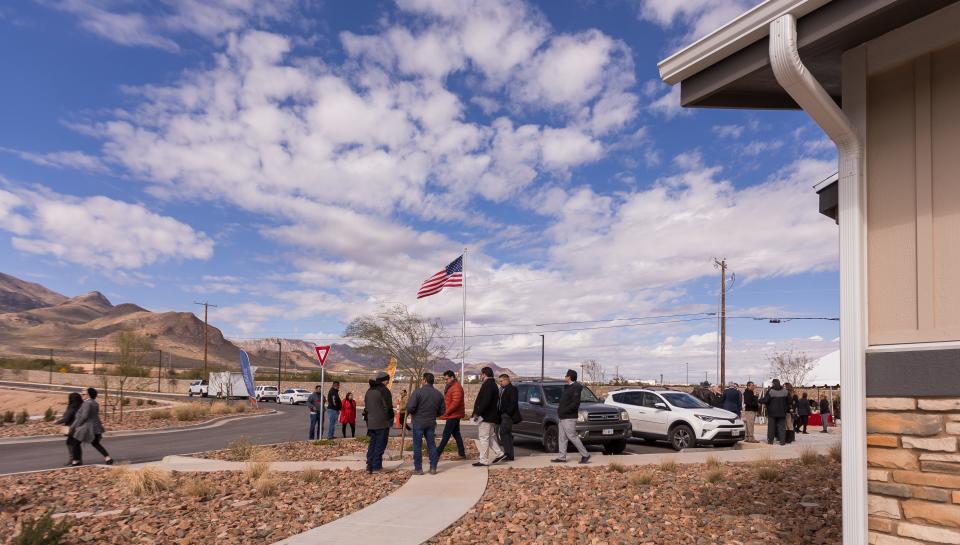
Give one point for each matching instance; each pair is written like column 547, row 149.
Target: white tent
column 826, row 370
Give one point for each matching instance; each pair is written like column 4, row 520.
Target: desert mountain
column 34, row 319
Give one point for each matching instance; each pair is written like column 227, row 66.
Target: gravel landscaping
column 693, row 504
column 224, row 507
column 319, row 451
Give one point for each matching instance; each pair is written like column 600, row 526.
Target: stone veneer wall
column 913, row 470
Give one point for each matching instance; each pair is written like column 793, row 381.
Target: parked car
column 199, row 388
column 293, row 396
column 677, row 417
column 597, row 424
column 262, row 393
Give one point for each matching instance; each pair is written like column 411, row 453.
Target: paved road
column 289, row 424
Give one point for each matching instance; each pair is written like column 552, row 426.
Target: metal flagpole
column 463, row 330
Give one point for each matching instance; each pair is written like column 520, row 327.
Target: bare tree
column 593, row 372
column 132, row 347
column 790, row 366
column 418, row 343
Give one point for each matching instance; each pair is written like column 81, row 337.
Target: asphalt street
column 289, row 424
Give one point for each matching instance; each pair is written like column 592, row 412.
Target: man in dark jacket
column 751, row 406
column 315, row 404
column 378, row 409
column 425, row 405
column 567, row 412
column 824, row 413
column 803, row 412
column 732, row 400
column 777, row 400
column 334, row 404
column 485, row 410
column 509, row 414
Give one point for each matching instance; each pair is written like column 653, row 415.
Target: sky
column 300, row 163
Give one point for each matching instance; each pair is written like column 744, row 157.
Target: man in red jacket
column 454, row 411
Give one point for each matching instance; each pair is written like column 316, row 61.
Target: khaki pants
column 568, row 432
column 748, row 420
column 487, row 432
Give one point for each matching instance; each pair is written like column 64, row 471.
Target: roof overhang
column 730, row 68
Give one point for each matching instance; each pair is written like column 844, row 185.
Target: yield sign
column 322, row 352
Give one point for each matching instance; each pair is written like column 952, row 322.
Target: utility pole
column 661, row 379
column 159, row 370
column 722, row 265
column 279, row 356
column 543, row 348
column 206, row 308
column 94, row 339
column 687, row 364
column 51, row 366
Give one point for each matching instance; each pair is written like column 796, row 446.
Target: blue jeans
column 376, row 448
column 332, row 418
column 451, row 428
column 314, row 426
column 418, row 435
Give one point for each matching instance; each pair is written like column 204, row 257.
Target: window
column 685, row 401
column 523, row 393
column 629, row 398
column 650, row 400
column 552, row 394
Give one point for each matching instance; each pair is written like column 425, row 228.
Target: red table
column 814, row 420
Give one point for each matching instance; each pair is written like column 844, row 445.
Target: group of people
column 787, row 412
column 334, row 410
column 81, row 424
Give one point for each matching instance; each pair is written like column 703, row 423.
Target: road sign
column 322, row 352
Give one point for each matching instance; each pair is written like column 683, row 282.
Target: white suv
column 262, row 393
column 677, row 417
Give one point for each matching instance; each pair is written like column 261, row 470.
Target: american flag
column 449, row 277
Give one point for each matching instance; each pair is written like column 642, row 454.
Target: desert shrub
column 220, row 407
column 713, row 476
column 239, row 408
column 49, row 415
column 42, row 531
column 266, row 485
column 714, row 463
column 22, row 417
column 151, row 402
column 768, row 473
column 8, row 417
column 640, row 478
column 125, row 401
column 253, row 470
column 310, row 475
column 139, row 402
column 146, row 480
column 809, row 457
column 241, row 450
column 835, row 453
column 668, row 465
column 617, row 468
column 190, row 411
column 159, row 414
column 198, row 487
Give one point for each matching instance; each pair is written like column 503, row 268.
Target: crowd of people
column 81, row 424
column 787, row 412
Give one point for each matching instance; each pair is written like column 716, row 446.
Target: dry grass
column 768, row 473
column 241, row 450
column 198, row 487
column 220, row 407
column 254, row 470
column 714, row 463
column 640, row 478
column 266, row 485
column 160, row 414
column 146, row 480
column 191, row 411
column 310, row 475
column 617, row 468
column 835, row 452
column 713, row 476
column 809, row 457
column 239, row 408
column 669, row 465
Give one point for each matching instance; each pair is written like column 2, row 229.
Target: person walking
column 803, row 412
column 87, row 427
column 568, row 411
column 509, row 408
column 74, row 401
column 453, row 412
column 425, row 405
column 824, row 413
column 790, row 426
column 348, row 416
column 487, row 416
column 378, row 411
column 315, row 406
column 732, row 399
column 334, row 404
column 777, row 401
column 751, row 406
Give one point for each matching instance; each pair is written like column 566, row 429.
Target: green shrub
column 42, row 531
column 125, row 401
column 363, row 438
column 22, row 417
column 8, row 417
column 49, row 415
column 151, row 402
column 139, row 402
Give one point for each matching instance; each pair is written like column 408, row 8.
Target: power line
column 628, row 319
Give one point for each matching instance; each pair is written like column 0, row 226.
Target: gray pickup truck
column 598, row 424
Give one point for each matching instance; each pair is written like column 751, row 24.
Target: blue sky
column 301, row 162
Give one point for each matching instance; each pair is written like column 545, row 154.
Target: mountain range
column 34, row 319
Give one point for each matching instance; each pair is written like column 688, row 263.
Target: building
column 882, row 79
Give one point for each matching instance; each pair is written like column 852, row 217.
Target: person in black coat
column 803, row 412
column 567, row 412
column 485, row 410
column 777, row 400
column 74, row 401
column 509, row 409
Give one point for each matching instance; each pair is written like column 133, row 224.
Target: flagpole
column 463, row 330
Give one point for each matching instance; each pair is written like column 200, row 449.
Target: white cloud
column 62, row 159
column 96, row 231
column 728, row 131
column 697, row 17
column 668, row 104
column 758, row 147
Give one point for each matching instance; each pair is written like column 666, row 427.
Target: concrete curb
column 212, row 423
column 204, row 465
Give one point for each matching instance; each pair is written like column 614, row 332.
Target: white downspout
column 810, row 95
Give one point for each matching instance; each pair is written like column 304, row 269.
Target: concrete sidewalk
column 444, row 497
column 203, row 465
